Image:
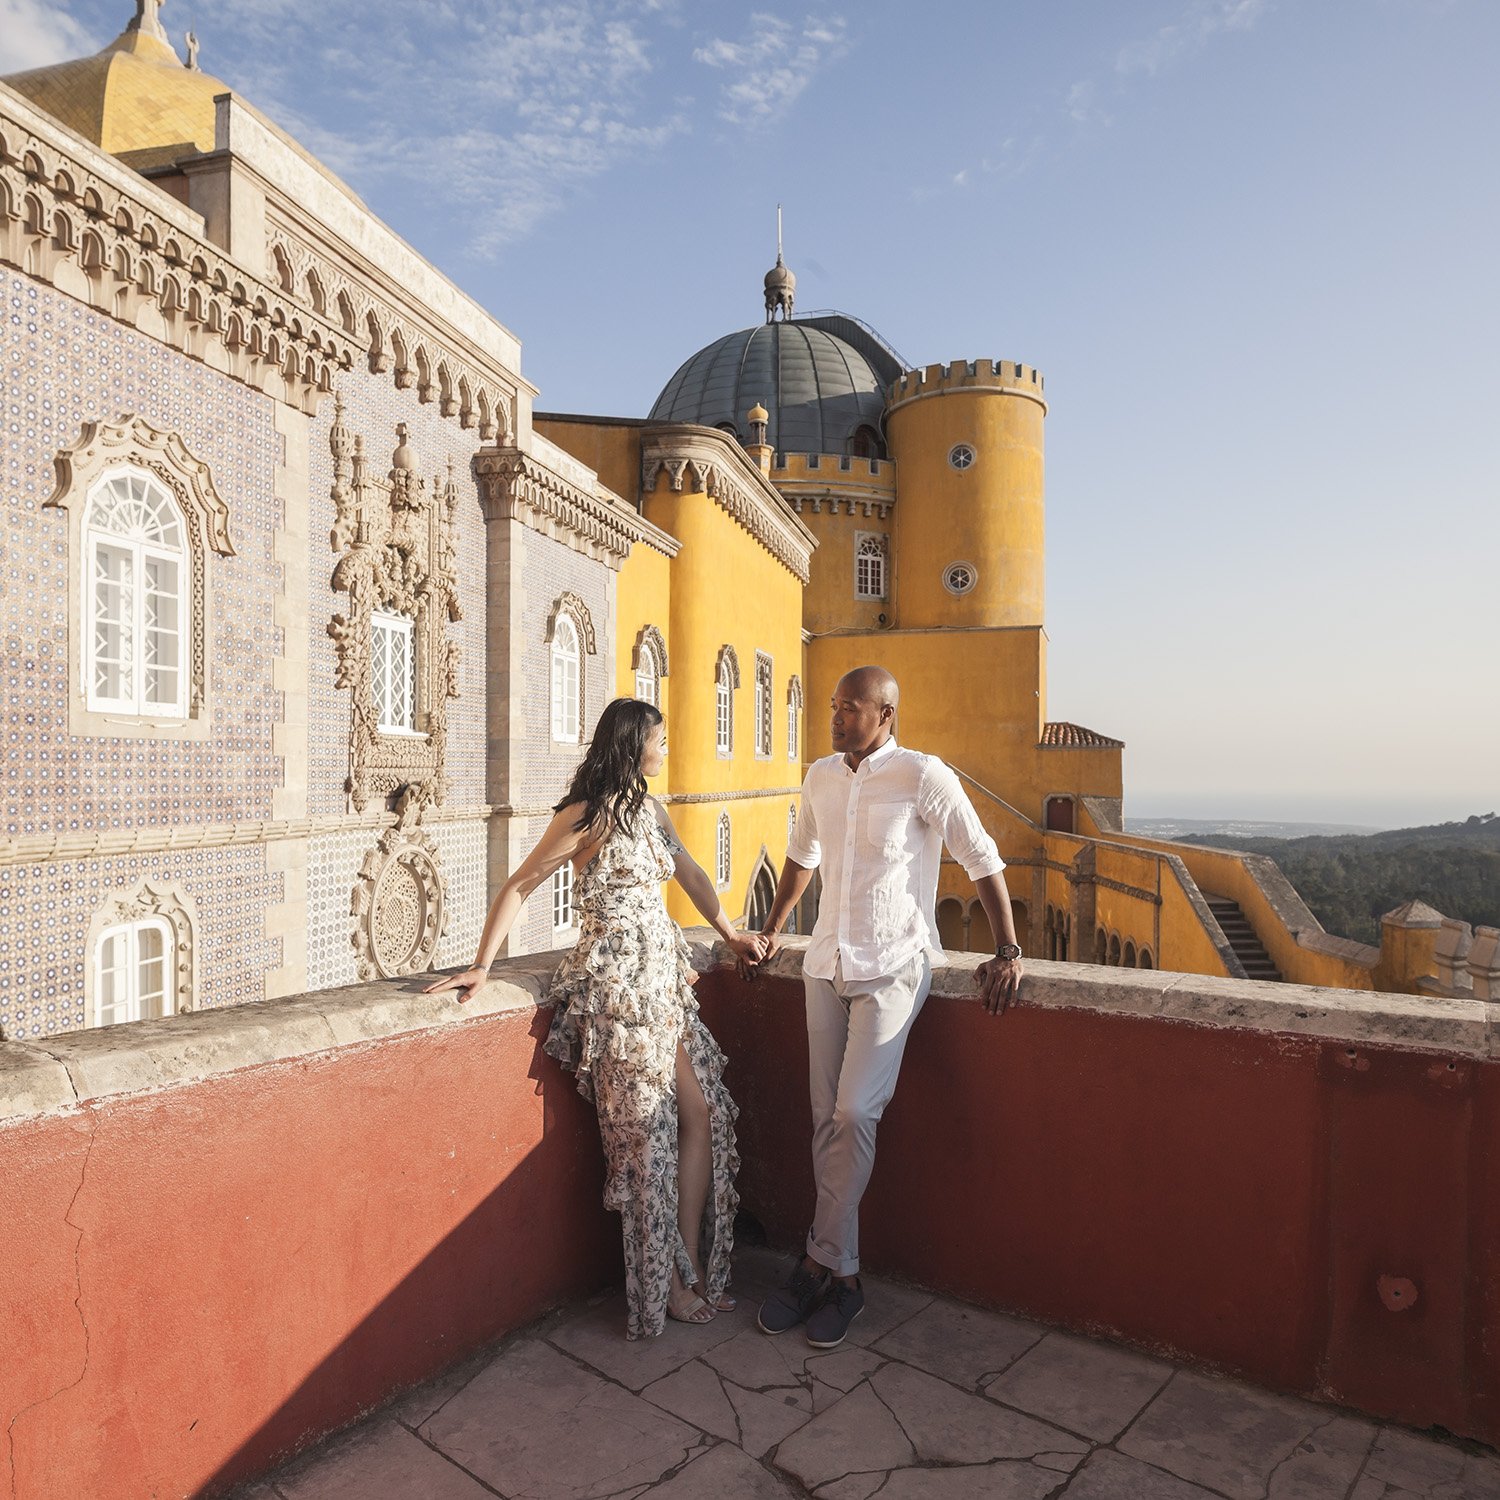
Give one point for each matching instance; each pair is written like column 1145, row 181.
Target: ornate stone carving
column 517, row 486
column 395, row 537
column 577, row 611
column 176, row 908
column 78, row 229
column 650, row 645
column 398, row 903
column 721, row 470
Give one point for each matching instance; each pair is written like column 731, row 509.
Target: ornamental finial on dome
column 148, row 19
column 781, row 285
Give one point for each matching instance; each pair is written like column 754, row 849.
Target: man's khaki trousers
column 856, row 1034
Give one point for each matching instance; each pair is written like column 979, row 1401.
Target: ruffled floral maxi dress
column 623, row 1002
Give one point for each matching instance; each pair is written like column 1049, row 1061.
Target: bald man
column 874, row 816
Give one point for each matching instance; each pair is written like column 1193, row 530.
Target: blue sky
column 1245, row 240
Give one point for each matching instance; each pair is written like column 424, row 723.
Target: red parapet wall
column 1244, row 1199
column 260, row 1223
column 196, row 1283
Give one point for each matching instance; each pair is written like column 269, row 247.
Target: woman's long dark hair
column 609, row 783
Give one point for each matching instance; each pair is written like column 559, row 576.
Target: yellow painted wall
column 725, row 588
column 830, row 603
column 611, row 449
column 990, row 515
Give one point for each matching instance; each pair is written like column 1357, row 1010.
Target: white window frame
column 724, row 853
column 794, row 719
column 132, row 1004
column 869, row 565
column 566, row 675
column 138, row 553
column 765, row 676
column 647, row 682
column 395, row 627
column 724, row 711
column 562, row 897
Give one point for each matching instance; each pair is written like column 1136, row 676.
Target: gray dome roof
column 828, row 387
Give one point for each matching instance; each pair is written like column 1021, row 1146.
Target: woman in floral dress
column 626, row 1022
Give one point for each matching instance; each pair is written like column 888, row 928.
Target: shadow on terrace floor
column 929, row 1399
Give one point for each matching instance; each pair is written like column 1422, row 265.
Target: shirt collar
column 874, row 760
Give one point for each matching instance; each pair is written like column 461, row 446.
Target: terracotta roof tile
column 1063, row 736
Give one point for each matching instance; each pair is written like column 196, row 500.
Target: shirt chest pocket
column 886, row 826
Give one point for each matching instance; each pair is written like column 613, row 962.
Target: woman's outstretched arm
column 561, row 842
column 692, row 877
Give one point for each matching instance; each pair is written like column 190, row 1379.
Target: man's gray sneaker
column 842, row 1303
column 790, row 1304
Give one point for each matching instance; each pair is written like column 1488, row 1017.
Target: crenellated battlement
column 1003, row 375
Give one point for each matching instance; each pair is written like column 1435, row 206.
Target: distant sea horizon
column 1268, row 815
column 1245, row 828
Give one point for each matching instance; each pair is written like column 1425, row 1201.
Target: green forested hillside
column 1350, row 880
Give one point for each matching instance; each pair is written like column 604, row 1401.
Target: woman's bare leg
column 694, row 1162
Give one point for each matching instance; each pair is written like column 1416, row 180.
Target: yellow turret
column 969, row 528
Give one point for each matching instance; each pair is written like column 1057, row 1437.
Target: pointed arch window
column 794, row 719
column 727, row 679
column 566, row 678
column 650, row 665
column 723, row 863
column 764, row 669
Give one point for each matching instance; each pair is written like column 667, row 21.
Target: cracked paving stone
column 853, row 1486
column 1081, row 1384
column 1249, row 1444
column 764, row 1420
column 1407, row 1463
column 786, row 1368
column 887, row 1305
column 724, row 1472
column 1113, row 1476
column 856, row 1435
column 1002, row 1481
column 753, row 1421
column 597, row 1337
column 947, row 1426
column 962, row 1344
column 533, row 1423
column 382, row 1459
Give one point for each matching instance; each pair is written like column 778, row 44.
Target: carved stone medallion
column 398, row 905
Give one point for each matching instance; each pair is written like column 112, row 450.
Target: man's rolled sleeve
column 803, row 848
column 943, row 804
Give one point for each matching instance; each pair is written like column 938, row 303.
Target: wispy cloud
column 37, row 33
column 1191, row 31
column 771, row 66
column 495, row 115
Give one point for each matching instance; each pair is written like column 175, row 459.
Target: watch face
column 1008, row 950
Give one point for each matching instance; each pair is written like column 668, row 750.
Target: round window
column 961, row 456
column 960, row 577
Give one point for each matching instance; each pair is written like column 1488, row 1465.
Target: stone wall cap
column 76, row 1068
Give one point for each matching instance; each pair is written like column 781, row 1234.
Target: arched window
column 393, row 671
column 791, row 821
column 869, row 565
column 722, row 861
column 137, row 605
column 762, row 894
column 1145, row 962
column 1058, row 814
column 1101, row 946
column 981, row 937
column 133, row 965
column 1114, row 950
column 727, row 679
column 952, row 928
column 566, row 678
column 140, row 948
column 1130, row 953
column 649, row 662
column 864, row 442
column 763, row 674
column 794, row 721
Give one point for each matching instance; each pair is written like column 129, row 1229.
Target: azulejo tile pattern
column 1022, row 1411
column 333, row 861
column 462, row 856
column 64, row 364
column 45, row 912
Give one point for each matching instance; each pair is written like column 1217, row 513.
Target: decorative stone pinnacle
column 192, row 51
column 148, row 19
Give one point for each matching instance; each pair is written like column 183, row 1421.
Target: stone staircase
column 1247, row 947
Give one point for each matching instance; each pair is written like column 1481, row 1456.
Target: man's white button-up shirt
column 877, row 832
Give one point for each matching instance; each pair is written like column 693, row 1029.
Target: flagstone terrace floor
column 929, row 1399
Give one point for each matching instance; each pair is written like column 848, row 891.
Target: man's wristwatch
column 1010, row 952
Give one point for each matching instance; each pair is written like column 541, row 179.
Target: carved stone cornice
column 398, row 335
column 517, row 486
column 77, row 220
column 720, row 469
